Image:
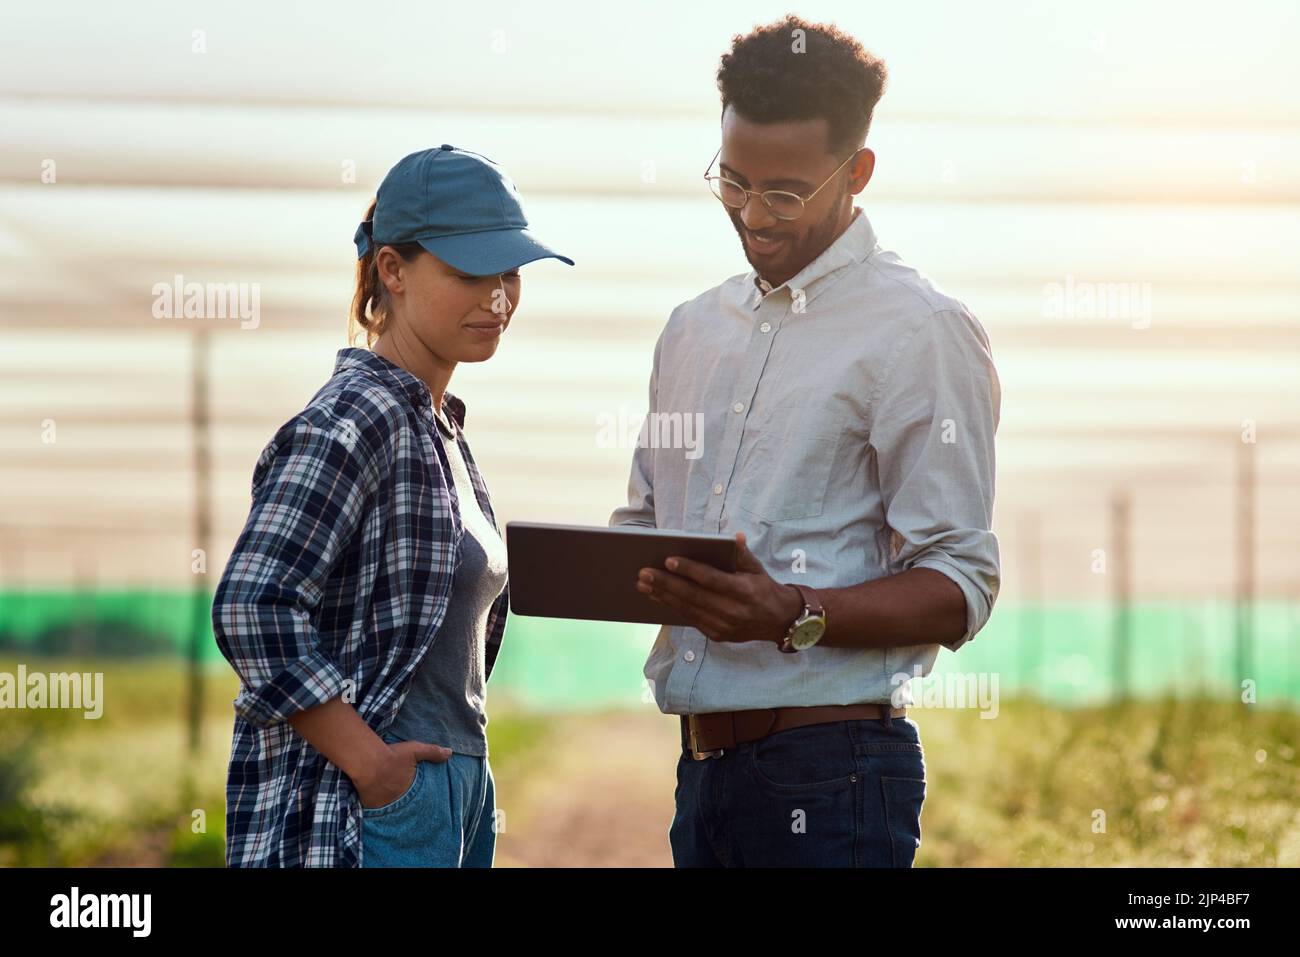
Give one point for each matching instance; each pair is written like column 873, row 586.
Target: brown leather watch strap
column 810, row 599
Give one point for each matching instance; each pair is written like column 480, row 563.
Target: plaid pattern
column 337, row 585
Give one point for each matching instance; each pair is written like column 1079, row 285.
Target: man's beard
column 802, row 251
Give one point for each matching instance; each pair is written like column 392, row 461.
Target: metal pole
column 1122, row 595
column 1245, row 603
column 1031, row 641
column 201, row 623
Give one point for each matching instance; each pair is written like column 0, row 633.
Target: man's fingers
column 665, row 585
column 706, row 575
column 699, row 619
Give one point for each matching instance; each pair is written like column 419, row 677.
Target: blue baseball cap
column 460, row 206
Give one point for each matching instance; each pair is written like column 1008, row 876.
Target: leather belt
column 711, row 735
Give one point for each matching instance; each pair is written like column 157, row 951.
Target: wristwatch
column 809, row 627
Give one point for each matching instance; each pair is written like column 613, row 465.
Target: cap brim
column 491, row 251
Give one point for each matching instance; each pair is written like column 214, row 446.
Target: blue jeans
column 842, row 794
column 444, row 819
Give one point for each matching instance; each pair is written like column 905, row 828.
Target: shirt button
column 738, row 407
column 717, row 489
column 689, row 656
column 765, row 327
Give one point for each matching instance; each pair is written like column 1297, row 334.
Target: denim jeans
column 841, row 794
column 444, row 819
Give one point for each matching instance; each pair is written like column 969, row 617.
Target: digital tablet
column 579, row 571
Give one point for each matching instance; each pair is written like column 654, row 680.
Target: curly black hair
column 774, row 74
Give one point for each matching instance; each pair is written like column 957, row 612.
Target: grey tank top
column 446, row 703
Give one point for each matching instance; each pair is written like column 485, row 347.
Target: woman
column 365, row 600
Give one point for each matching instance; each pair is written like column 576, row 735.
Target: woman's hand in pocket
column 395, row 774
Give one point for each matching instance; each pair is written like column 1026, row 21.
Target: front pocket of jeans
column 400, row 802
column 800, row 759
column 784, row 476
column 903, row 798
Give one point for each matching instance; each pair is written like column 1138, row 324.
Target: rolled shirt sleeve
column 311, row 487
column 933, row 421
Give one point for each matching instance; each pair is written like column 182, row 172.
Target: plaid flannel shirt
column 337, row 585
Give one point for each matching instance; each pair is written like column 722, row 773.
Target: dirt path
column 603, row 797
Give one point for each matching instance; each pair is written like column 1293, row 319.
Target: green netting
column 1062, row 652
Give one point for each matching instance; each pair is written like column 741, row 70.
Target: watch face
column 808, row 634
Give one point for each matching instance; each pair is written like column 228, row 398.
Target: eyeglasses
column 779, row 202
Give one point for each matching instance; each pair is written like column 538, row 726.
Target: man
column 849, row 408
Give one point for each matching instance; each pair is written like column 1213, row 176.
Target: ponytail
column 371, row 307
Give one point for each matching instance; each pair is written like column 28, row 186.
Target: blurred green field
column 122, row 789
column 1180, row 782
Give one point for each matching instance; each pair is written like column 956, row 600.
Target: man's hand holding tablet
column 744, row 605
column 590, row 572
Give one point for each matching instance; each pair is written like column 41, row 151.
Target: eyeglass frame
column 803, row 200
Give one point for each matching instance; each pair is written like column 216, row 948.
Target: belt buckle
column 696, row 754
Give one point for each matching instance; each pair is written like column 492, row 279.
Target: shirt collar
column 856, row 243
column 398, row 379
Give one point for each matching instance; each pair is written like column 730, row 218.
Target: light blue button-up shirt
column 846, row 422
